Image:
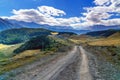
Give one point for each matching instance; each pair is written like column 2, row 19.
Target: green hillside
column 14, row 36
column 14, row 56
column 104, row 33
column 43, row 43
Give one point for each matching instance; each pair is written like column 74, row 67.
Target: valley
column 48, row 55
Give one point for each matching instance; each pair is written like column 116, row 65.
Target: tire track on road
column 84, row 67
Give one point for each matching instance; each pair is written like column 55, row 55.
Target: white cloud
column 98, row 15
column 44, row 15
column 84, row 25
column 102, row 2
column 50, row 11
column 111, row 22
column 102, row 13
column 27, row 15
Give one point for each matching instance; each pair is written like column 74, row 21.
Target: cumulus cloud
column 103, row 12
column 111, row 22
column 108, row 5
column 44, row 15
column 41, row 15
column 50, row 11
column 96, row 17
column 102, row 2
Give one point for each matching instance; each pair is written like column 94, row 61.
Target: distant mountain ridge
column 10, row 24
column 4, row 25
column 64, row 28
column 53, row 28
column 102, row 27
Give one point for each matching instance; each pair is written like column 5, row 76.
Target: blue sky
column 78, row 14
column 72, row 7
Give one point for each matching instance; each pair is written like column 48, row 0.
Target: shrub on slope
column 39, row 42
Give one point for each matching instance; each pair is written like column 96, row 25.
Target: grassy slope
column 21, row 59
column 80, row 39
column 6, row 51
column 14, row 36
column 11, row 61
column 3, row 46
column 113, row 40
column 8, row 61
column 106, row 48
column 106, row 42
column 104, row 33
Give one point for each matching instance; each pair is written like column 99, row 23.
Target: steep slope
column 104, row 33
column 115, row 35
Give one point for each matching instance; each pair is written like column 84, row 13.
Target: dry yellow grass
column 75, row 41
column 3, row 46
column 83, row 40
column 54, row 33
column 105, row 42
column 8, row 62
column 6, row 51
column 22, row 59
column 27, row 53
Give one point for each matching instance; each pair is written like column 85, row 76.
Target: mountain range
column 53, row 28
column 10, row 24
column 4, row 25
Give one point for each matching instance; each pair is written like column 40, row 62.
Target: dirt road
column 72, row 66
column 77, row 64
column 77, row 70
column 84, row 68
column 49, row 71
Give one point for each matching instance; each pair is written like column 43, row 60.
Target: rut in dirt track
column 84, row 68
